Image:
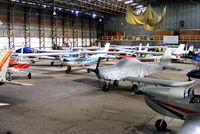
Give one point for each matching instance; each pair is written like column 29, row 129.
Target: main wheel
column 105, row 88
column 161, row 125
column 116, row 83
column 88, row 70
column 29, row 76
column 52, row 63
column 61, row 65
column 134, row 88
column 9, row 76
column 68, row 70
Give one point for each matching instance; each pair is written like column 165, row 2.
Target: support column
column 10, row 19
column 27, row 17
column 54, row 32
column 41, row 19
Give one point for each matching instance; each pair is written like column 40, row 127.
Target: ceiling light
column 128, row 2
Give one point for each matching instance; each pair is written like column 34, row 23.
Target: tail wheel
column 105, row 88
column 68, row 70
column 116, row 83
column 161, row 125
column 134, row 88
column 29, row 76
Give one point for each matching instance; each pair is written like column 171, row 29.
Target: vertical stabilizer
column 166, row 58
column 180, row 49
column 191, row 48
column 106, row 48
column 4, row 61
column 146, row 48
column 140, row 47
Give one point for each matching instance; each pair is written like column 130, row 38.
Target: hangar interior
column 94, row 66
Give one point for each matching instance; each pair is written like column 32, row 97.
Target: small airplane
column 176, row 102
column 5, row 57
column 133, row 70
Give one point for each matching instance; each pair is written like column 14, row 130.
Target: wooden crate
column 164, row 32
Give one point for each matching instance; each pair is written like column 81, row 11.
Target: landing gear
column 106, row 88
column 52, row 63
column 116, row 83
column 29, row 76
column 9, row 76
column 161, row 125
column 88, row 70
column 61, row 65
column 134, row 88
column 68, row 70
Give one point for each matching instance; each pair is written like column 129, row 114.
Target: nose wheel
column 29, row 76
column 161, row 125
column 9, row 76
column 52, row 63
column 116, row 83
column 106, row 88
column 68, row 70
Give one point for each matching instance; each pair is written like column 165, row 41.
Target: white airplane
column 5, row 57
column 133, row 70
column 180, row 102
column 71, row 60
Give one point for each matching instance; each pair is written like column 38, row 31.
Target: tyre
column 52, row 63
column 161, row 125
column 68, row 70
column 88, row 70
column 29, row 76
column 8, row 76
column 116, row 83
column 105, row 88
column 134, row 88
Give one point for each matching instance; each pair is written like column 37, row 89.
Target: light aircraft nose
column 157, row 92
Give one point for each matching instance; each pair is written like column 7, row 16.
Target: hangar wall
column 176, row 11
column 38, row 28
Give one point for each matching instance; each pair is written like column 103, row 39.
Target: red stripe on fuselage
column 184, row 110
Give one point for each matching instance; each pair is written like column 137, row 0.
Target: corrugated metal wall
column 177, row 10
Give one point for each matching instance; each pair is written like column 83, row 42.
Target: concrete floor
column 60, row 103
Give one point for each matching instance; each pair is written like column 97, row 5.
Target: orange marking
column 5, row 58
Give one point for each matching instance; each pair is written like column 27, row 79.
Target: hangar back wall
column 177, row 10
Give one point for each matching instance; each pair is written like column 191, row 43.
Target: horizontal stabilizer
column 153, row 81
column 172, row 68
column 17, row 83
column 3, row 104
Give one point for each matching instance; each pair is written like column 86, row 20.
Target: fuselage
column 174, row 102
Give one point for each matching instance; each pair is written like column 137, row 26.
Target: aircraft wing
column 17, row 83
column 191, row 126
column 149, row 52
column 153, row 81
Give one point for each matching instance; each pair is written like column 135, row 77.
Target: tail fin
column 146, row 48
column 166, row 58
column 191, row 48
column 5, row 57
column 180, row 49
column 106, row 48
column 140, row 47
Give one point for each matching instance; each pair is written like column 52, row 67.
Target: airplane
column 131, row 69
column 176, row 102
column 70, row 60
column 5, row 57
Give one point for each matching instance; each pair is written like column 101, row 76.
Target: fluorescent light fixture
column 128, row 1
column 54, row 13
column 94, row 15
column 44, row 6
column 139, row 6
column 76, row 12
column 134, row 4
column 72, row 11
